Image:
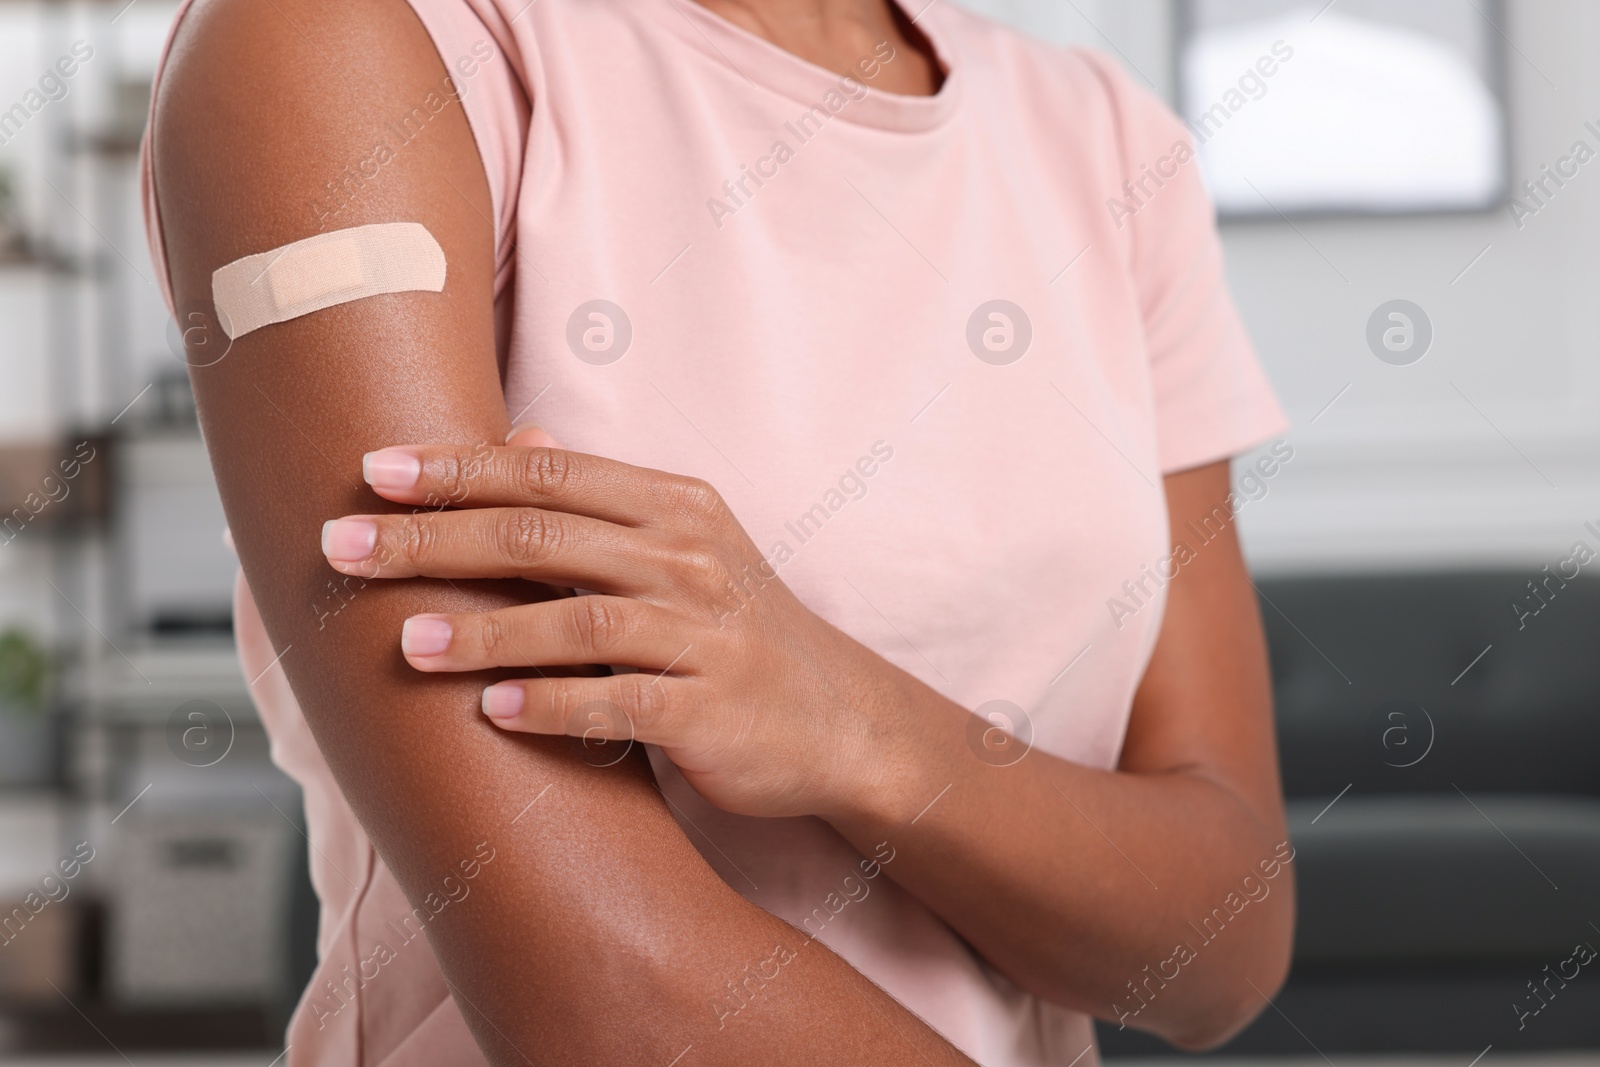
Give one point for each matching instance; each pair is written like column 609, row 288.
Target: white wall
column 1488, row 450
column 53, row 323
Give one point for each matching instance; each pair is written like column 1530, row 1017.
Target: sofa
column 1440, row 748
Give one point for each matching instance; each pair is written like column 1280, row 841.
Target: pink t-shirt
column 934, row 351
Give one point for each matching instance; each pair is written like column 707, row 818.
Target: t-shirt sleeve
column 1212, row 400
column 488, row 74
column 491, row 76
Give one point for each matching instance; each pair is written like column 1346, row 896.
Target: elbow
column 1235, row 1001
column 1217, row 1028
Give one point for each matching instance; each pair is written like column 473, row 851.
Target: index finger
column 485, row 476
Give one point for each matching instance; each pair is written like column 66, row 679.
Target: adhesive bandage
column 326, row 270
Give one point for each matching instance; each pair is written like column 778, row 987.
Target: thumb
column 531, row 435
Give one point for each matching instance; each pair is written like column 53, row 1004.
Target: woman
column 927, row 323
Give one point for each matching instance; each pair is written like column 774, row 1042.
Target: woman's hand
column 765, row 708
column 768, row 710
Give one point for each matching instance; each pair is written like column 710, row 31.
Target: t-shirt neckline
column 760, row 62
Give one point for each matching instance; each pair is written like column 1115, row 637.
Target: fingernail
column 425, row 635
column 534, row 436
column 502, row 701
column 391, row 468
column 348, row 540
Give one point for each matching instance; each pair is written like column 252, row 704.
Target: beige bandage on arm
column 325, row 270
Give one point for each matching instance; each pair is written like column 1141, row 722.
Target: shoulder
column 253, row 76
column 288, row 39
column 277, row 119
column 1078, row 93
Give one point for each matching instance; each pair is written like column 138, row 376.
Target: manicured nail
column 523, row 427
column 391, row 468
column 348, row 540
column 425, row 635
column 503, row 700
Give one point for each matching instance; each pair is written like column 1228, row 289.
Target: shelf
column 154, row 679
column 108, row 144
column 42, row 262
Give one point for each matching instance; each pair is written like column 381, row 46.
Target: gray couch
column 1455, row 732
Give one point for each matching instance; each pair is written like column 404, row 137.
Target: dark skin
column 1064, row 904
column 595, row 897
column 770, row 711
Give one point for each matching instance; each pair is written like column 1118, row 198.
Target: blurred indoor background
column 1411, row 212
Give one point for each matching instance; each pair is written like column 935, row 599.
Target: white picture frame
column 1354, row 107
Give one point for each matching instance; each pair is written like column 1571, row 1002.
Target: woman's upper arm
column 253, row 118
column 1205, row 703
column 262, row 104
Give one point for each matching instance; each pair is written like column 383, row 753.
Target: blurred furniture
column 205, row 843
column 1440, row 746
column 178, row 580
column 202, row 902
column 1485, row 847
column 41, row 921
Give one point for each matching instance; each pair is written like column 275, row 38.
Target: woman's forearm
column 1158, row 895
column 1152, row 900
